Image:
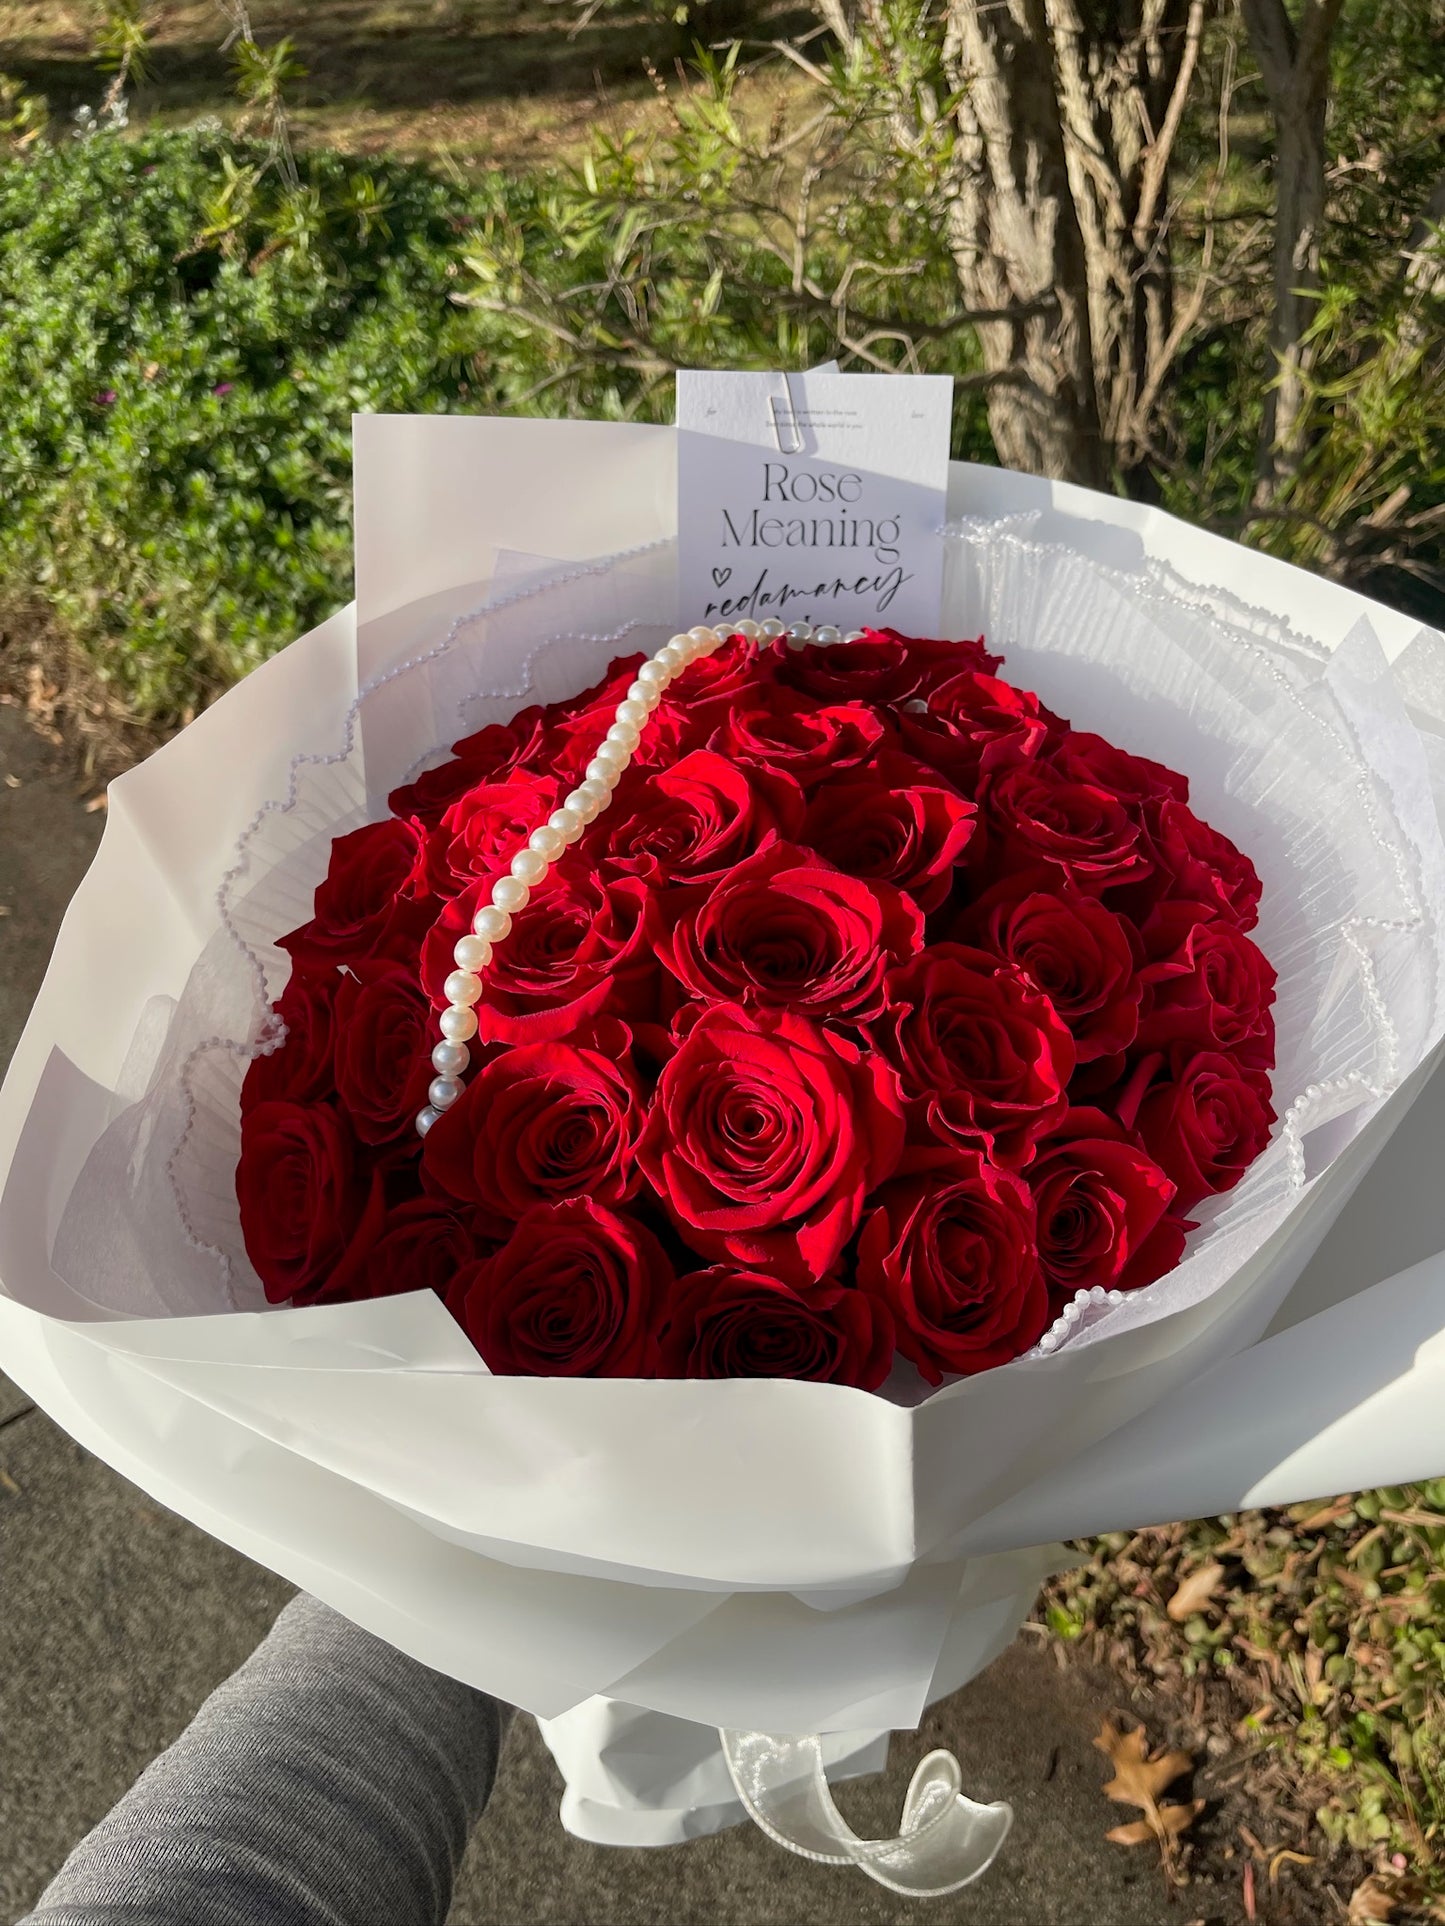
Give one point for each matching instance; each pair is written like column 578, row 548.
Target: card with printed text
column 816, row 497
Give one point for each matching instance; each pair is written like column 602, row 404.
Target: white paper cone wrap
column 565, row 1543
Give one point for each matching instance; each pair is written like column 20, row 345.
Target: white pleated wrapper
column 759, row 1556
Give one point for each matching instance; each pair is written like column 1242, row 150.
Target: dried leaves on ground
column 1304, row 1650
column 1141, row 1779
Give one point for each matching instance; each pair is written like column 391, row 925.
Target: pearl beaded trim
column 1068, row 1320
column 511, row 892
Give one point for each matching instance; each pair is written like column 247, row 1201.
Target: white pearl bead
column 462, row 987
column 748, row 629
column 458, row 1023
column 773, row 628
column 654, row 674
column 799, row 633
column 604, row 769
column 472, row 953
column 567, row 823
column 632, row 712
column 646, row 694
column 596, row 793
column 548, row 841
column 854, row 635
column 626, row 735
column 704, row 637
column 671, row 659
column 529, row 866
column 443, row 1092
column 683, row 643
column 450, row 1059
column 509, row 894
column 827, row 633
column 426, row 1118
column 585, row 802
column 491, row 922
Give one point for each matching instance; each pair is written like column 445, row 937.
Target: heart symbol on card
column 721, row 576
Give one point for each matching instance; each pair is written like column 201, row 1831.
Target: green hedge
column 183, row 340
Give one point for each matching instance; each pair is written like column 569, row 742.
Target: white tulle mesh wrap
column 1306, row 759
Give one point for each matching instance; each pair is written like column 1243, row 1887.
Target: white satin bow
column 945, row 1840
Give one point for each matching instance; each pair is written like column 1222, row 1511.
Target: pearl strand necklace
column 492, row 923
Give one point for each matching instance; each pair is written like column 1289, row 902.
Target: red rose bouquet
column 846, row 1003
column 667, row 1211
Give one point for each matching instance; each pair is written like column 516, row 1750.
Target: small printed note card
column 814, row 497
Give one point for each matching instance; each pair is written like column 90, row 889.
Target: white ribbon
column 945, row 1840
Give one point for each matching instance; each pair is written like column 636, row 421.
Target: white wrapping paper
column 568, row 1544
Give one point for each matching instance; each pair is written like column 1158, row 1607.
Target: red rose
column 1208, row 986
column 574, row 1292
column 1076, row 951
column 1203, row 865
column 483, row 830
column 384, row 1037
column 423, row 1247
column 783, row 932
column 1087, row 758
column 950, row 1251
column 540, row 1123
column 1035, row 814
column 301, row 1193
column 577, row 949
column 971, row 723
column 688, row 827
column 368, row 904
column 765, row 1135
column 301, row 1068
column 610, row 687
column 1200, row 1116
column 579, row 725
column 982, row 1052
column 740, row 671
column 884, row 667
column 1101, row 1204
column 490, row 755
column 728, row 1323
column 792, row 734
column 894, row 823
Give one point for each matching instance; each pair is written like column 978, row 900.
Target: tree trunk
column 1059, row 205
column 1016, row 242
column 1295, row 62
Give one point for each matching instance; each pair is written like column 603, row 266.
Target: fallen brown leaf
column 1375, row 1899
column 40, row 694
column 1139, row 1780
column 1194, row 1592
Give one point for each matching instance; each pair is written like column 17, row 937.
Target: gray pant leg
column 329, row 1782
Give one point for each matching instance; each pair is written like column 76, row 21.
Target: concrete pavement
column 117, row 1618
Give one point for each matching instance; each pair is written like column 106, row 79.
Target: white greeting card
column 815, row 497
